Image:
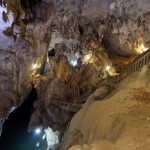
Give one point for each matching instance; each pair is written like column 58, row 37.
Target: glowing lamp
column 143, row 48
column 38, row 131
column 88, row 57
column 107, row 68
column 74, row 63
column 34, row 66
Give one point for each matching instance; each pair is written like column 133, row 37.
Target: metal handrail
column 137, row 65
column 145, row 59
column 68, row 106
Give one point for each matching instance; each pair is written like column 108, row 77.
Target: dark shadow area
column 15, row 135
column 51, row 52
column 28, row 3
column 81, row 30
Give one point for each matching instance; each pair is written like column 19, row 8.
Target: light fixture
column 88, row 57
column 143, row 48
column 107, row 68
column 38, row 131
column 34, row 66
column 74, row 63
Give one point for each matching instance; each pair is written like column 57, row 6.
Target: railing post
column 146, row 59
column 136, row 66
column 142, row 62
column 139, row 64
column 78, row 88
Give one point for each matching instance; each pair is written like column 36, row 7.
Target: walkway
column 81, row 98
column 90, row 70
column 69, row 107
column 139, row 62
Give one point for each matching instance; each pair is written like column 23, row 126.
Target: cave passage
column 15, row 135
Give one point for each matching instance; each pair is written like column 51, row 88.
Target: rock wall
column 81, row 32
column 17, row 66
column 47, row 113
column 126, row 22
column 121, row 119
column 102, row 28
column 129, row 23
column 20, row 61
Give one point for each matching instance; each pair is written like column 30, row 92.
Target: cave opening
column 15, row 133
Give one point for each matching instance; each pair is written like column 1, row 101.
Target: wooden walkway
column 142, row 60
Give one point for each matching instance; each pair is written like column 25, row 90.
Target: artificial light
column 143, row 48
column 34, row 66
column 107, row 68
column 38, row 131
column 87, row 57
column 74, row 63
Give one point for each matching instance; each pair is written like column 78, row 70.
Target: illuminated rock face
column 126, row 22
column 84, row 31
column 52, row 138
column 129, row 23
column 4, row 40
column 118, row 122
column 19, row 61
column 17, row 66
column 118, row 27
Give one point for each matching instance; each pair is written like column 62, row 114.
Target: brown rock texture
column 92, row 33
column 20, row 60
column 46, row 113
column 121, row 119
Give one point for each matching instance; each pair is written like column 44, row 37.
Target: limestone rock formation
column 20, row 60
column 96, row 145
column 56, row 45
column 47, row 113
column 121, row 118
